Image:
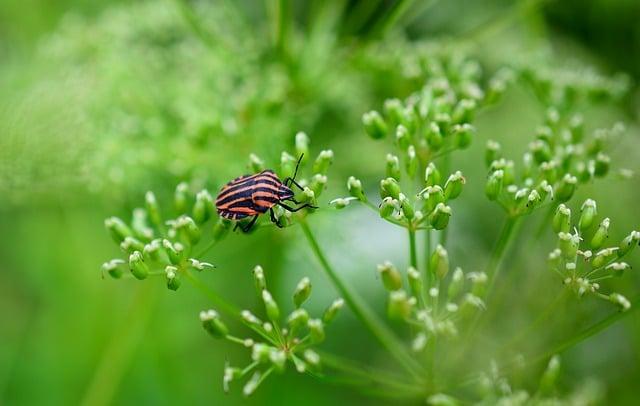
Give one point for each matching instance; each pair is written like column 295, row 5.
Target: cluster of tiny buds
column 432, row 307
column 154, row 246
column 580, row 259
column 559, row 158
column 280, row 343
column 426, row 209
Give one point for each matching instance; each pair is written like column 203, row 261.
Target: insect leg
column 251, row 223
column 293, row 210
column 273, row 218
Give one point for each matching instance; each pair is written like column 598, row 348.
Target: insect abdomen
column 248, row 195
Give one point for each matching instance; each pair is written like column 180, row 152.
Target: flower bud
column 463, row 134
column 628, row 243
column 307, row 196
column 389, row 187
column 322, row 163
column 439, row 262
column 435, row 140
column 137, row 266
column 464, row 111
column 278, row 359
column 199, row 265
column 260, row 352
column 173, row 281
column 540, row 150
column 453, row 186
column 203, row 207
column 153, row 210
column 478, row 283
column 302, row 144
column 620, row 301
column 220, row 228
column 432, row 195
column 131, row 244
column 391, row 278
column 188, row 229
column 456, row 285
column 394, row 111
column 601, row 234
column 602, row 165
column 439, row 218
column 387, row 207
column 406, row 206
column 562, row 219
column 412, row 161
column 576, row 127
column 312, row 358
column 118, row 229
column 568, row 244
column 332, row 311
column 431, row 175
column 250, row 318
column 341, row 203
column 399, row 306
column 549, row 171
column 618, row 268
column 180, row 197
column 316, row 330
column 494, row 185
column 270, row 305
column 403, row 138
column 174, row 251
column 255, row 163
column 355, row 189
column 374, row 125
column 603, row 256
column 415, row 281
column 139, row 225
column 302, row 292
column 393, row 167
column 493, row 152
column 566, row 188
column 318, row 184
column 297, row 319
column 114, row 268
column 544, row 133
column 544, row 189
column 587, row 215
column 212, row 323
column 287, row 164
column 555, row 259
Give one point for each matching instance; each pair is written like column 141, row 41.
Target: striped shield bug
column 253, row 195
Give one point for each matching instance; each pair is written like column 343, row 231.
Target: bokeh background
column 101, row 101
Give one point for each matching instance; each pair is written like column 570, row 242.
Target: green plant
column 440, row 310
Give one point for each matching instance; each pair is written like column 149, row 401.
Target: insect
column 253, row 195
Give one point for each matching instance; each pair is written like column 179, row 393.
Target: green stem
column 399, row 8
column 362, row 311
column 213, row 296
column 375, row 377
column 427, row 267
column 412, row 249
column 505, row 239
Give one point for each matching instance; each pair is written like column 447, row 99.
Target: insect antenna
column 292, row 180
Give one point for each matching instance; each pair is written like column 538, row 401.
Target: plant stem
column 213, row 296
column 412, row 249
column 391, row 17
column 362, row 311
column 505, row 239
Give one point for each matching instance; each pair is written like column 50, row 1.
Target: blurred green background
column 101, row 101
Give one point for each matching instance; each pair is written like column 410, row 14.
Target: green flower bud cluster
column 434, row 310
column 153, row 246
column 584, row 256
column 558, row 160
column 280, row 340
column 567, row 87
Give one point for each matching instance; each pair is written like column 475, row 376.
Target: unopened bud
column 302, row 144
column 601, row 234
column 387, row 207
column 316, row 330
column 114, row 268
column 297, row 319
column 456, row 285
column 153, row 210
column 628, row 243
column 566, row 188
column 434, row 136
column 118, row 229
column 256, row 164
column 463, row 134
column 478, row 282
column 439, row 262
column 603, row 256
column 439, row 218
column 212, row 323
column 412, row 161
column 453, row 186
column 374, row 125
column 568, row 244
column 588, row 215
column 399, row 306
column 270, row 305
column 493, row 152
column 174, row 251
column 562, row 219
column 332, row 310
column 318, row 184
column 406, row 206
column 287, row 164
column 415, row 281
column 302, row 292
column 138, row 268
column 464, row 111
column 602, row 165
column 391, row 278
column 355, row 189
column 620, row 301
column 180, row 197
column 323, row 161
column 403, row 138
column 389, row 187
column 494, row 185
column 431, row 175
column 173, row 281
column 393, row 167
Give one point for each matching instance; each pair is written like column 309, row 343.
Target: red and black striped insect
column 253, row 195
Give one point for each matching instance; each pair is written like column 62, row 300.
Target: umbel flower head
column 279, row 341
column 580, row 259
